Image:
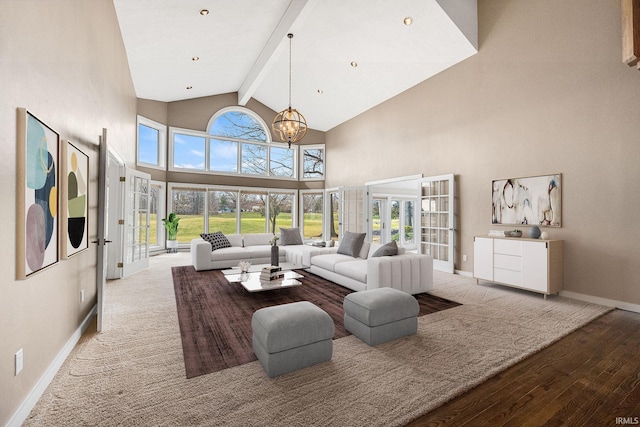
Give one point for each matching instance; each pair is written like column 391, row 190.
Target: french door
column 437, row 220
column 136, row 221
column 348, row 211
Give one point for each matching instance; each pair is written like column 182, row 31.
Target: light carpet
column 133, row 373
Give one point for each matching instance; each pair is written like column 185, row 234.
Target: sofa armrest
column 411, row 273
column 201, row 254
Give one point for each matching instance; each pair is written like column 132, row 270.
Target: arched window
column 240, row 143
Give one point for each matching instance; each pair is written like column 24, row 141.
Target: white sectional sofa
column 408, row 272
column 254, row 248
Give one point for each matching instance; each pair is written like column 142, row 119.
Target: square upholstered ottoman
column 292, row 336
column 380, row 315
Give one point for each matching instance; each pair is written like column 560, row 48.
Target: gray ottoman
column 291, row 336
column 380, row 315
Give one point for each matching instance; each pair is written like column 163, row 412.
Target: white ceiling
column 243, row 47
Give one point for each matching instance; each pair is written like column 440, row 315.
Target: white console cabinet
column 530, row 264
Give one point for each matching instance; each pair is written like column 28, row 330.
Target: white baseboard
column 464, row 273
column 25, row 408
column 602, row 301
column 582, row 297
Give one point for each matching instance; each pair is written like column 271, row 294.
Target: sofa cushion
column 364, row 251
column 234, row 239
column 388, row 249
column 329, row 261
column 258, row 251
column 290, row 236
column 351, row 243
column 356, row 270
column 232, row 253
column 257, row 239
column 217, row 240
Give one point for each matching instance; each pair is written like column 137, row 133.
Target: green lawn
column 191, row 226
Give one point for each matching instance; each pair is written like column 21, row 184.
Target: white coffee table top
column 258, row 268
column 252, row 283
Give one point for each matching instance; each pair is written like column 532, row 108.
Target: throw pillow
column 388, row 249
column 290, row 236
column 351, row 243
column 217, row 240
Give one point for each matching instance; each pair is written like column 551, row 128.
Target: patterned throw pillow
column 217, row 240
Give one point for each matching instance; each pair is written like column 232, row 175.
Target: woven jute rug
column 133, row 373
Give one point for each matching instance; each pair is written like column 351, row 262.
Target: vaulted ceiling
column 347, row 55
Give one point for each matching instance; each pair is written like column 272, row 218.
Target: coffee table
column 252, row 283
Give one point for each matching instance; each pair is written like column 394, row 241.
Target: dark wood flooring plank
column 587, row 378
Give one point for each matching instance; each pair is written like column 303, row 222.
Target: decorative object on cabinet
column 535, row 265
column 534, row 232
column 37, row 195
column 531, row 200
column 544, row 235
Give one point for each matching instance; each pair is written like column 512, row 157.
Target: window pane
column 148, row 144
column 409, row 214
column 223, row 155
column 254, row 159
column 280, row 205
column 154, row 208
column 313, row 163
column 395, row 220
column 239, row 125
column 188, row 204
column 312, row 216
column 188, row 151
column 222, row 211
column 281, row 161
column 335, row 216
column 376, row 221
column 252, row 218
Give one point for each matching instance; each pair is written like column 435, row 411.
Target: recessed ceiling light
column 354, row 64
column 195, row 58
column 408, row 21
column 204, row 12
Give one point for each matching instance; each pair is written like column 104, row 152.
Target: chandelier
column 289, row 124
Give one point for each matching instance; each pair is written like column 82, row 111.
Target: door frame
column 439, row 261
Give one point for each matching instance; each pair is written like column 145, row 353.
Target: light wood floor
column 588, row 378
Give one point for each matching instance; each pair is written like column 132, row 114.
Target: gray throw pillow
column 388, row 249
column 217, row 240
column 351, row 243
column 290, row 236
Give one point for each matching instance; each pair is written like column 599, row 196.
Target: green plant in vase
column 171, row 225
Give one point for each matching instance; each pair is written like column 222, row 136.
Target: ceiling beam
column 293, row 17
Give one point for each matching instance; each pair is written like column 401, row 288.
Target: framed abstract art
column 533, row 200
column 75, row 199
column 37, row 195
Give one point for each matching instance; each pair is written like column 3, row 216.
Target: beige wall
column 65, row 62
column 546, row 93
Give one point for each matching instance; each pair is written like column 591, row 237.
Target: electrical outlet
column 19, row 361
column 81, row 296
column 464, row 257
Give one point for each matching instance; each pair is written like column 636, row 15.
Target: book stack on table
column 271, row 273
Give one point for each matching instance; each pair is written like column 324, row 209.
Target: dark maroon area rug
column 215, row 315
